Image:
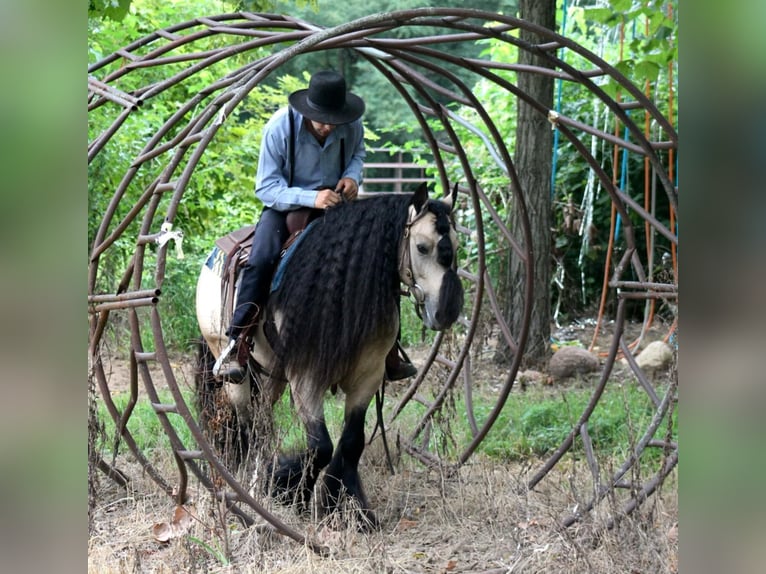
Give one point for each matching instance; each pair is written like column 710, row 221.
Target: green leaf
column 110, row 9
column 600, row 15
column 646, row 71
column 621, row 5
column 610, row 88
column 625, row 67
column 657, row 18
column 661, row 58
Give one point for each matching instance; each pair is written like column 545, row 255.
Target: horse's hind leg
column 221, row 423
column 236, row 418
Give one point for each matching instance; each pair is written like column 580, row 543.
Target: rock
column 570, row 361
column 656, row 357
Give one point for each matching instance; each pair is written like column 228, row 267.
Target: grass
column 413, row 333
column 476, row 520
column 535, row 422
column 144, row 424
column 532, row 423
column 479, row 519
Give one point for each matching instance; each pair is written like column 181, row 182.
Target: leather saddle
column 236, row 247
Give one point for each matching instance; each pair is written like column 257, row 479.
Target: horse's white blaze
column 426, row 270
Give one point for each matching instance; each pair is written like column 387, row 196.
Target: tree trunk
column 533, row 162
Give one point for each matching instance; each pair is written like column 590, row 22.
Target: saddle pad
column 276, row 281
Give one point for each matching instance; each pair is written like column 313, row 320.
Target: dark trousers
column 270, row 234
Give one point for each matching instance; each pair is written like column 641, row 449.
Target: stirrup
column 235, row 372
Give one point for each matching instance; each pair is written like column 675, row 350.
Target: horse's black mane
column 341, row 286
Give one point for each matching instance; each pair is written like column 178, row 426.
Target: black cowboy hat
column 327, row 101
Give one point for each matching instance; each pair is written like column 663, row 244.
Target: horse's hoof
column 348, row 512
column 300, row 501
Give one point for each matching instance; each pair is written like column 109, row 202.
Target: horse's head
column 428, row 260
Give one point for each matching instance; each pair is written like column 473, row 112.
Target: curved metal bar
column 210, row 455
column 595, row 396
column 414, row 63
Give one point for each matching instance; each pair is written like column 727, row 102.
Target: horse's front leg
column 342, row 474
column 294, row 476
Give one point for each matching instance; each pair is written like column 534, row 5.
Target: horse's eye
column 422, row 248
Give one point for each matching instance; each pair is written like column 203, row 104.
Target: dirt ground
column 478, row 519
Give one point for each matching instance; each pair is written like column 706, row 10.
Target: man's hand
column 326, row 198
column 348, row 188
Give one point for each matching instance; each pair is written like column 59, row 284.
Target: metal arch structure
column 169, row 157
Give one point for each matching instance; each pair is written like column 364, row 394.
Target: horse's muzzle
column 449, row 305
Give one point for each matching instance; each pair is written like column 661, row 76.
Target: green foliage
column 532, row 423
column 219, row 197
column 291, row 434
column 578, row 249
column 146, row 429
column 144, row 425
column 386, row 112
column 649, row 38
column 117, row 9
column 412, row 329
column 108, row 9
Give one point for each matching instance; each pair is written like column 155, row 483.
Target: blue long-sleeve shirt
column 316, row 166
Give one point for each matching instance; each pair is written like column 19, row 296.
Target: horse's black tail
column 217, row 418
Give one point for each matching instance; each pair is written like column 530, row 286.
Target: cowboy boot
column 398, row 367
column 231, row 365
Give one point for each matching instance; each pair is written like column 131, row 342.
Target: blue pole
column 624, row 164
column 554, row 163
column 623, row 178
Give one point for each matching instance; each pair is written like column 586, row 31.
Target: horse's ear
column 451, row 198
column 420, row 197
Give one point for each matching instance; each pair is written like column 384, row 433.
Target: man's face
column 322, row 130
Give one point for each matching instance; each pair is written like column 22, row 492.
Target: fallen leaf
column 404, row 524
column 162, row 531
column 182, row 521
column 673, row 533
column 451, row 565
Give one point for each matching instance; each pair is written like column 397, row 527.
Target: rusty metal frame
column 410, row 66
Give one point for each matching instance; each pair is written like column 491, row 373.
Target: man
column 312, row 154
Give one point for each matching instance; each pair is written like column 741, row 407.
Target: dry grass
column 478, row 520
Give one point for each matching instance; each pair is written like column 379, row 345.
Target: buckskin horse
column 331, row 318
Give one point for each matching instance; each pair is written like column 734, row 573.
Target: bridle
column 406, row 273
